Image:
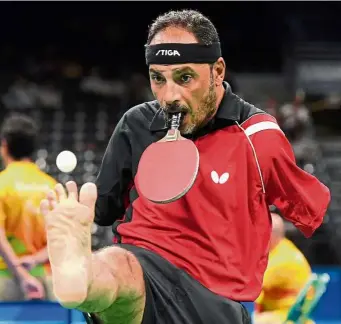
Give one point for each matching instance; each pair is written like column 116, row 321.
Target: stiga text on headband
column 176, row 53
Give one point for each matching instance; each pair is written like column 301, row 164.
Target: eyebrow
column 182, row 69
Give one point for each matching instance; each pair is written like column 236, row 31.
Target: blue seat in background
column 250, row 306
column 77, row 317
column 33, row 312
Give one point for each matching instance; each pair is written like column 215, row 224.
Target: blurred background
column 77, row 67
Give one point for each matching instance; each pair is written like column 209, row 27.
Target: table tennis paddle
column 90, row 318
column 168, row 168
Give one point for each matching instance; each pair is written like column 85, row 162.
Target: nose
column 172, row 93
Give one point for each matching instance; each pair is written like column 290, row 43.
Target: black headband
column 176, row 53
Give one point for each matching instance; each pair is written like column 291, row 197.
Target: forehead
column 177, row 68
column 175, row 35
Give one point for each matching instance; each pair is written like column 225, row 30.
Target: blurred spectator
column 271, row 107
column 295, row 118
column 21, row 95
column 96, row 84
column 49, row 96
column 24, row 264
column 296, row 122
column 24, row 94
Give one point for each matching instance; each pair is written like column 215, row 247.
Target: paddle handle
column 173, row 133
column 175, row 122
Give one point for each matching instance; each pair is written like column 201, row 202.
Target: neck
column 10, row 160
column 220, row 95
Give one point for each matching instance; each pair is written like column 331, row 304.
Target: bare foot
column 68, row 217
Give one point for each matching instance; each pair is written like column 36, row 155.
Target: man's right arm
column 301, row 197
column 10, row 258
column 6, row 251
column 114, row 176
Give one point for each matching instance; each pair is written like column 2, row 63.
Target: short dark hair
column 191, row 20
column 20, row 133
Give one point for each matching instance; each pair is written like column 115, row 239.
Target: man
column 193, row 260
column 287, row 273
column 24, row 266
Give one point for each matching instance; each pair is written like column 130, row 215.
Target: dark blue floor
column 52, row 313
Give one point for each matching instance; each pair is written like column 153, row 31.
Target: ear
column 219, row 68
column 3, row 143
column 3, row 147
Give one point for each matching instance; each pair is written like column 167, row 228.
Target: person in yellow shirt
column 287, row 273
column 24, row 266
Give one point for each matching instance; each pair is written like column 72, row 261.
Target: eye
column 158, row 79
column 186, row 78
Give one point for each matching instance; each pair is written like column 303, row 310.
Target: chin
column 187, row 129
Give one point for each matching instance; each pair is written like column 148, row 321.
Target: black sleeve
column 114, row 177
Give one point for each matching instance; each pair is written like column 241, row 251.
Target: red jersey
column 219, row 231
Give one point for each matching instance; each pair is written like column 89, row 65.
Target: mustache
column 174, row 108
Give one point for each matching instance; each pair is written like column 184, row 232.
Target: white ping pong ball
column 66, row 161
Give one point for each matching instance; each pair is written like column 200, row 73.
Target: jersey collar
column 20, row 164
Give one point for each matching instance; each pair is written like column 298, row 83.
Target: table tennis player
column 287, row 273
column 196, row 259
